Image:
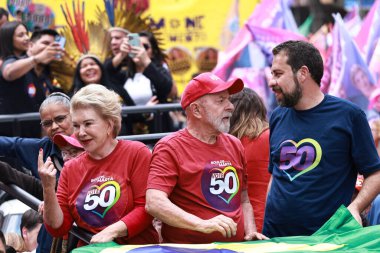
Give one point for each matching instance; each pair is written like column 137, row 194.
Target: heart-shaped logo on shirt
column 111, row 188
column 303, row 156
column 226, row 184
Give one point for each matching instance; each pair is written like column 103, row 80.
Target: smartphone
column 61, row 41
column 133, row 40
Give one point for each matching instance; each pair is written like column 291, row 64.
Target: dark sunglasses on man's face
column 146, row 46
column 58, row 120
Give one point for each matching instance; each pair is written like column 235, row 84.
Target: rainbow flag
column 341, row 233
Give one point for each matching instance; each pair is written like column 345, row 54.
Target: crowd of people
column 27, row 77
column 229, row 175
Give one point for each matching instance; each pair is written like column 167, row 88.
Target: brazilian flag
column 341, row 233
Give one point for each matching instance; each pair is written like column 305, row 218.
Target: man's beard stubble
column 291, row 99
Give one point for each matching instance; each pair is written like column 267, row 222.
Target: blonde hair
column 249, row 118
column 103, row 100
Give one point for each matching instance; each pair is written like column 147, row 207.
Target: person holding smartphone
column 25, row 76
column 138, row 71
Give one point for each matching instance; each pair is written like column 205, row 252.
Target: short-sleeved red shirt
column 203, row 179
column 97, row 193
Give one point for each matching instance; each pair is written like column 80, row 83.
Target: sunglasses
column 146, row 46
column 58, row 120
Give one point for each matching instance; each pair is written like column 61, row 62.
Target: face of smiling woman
column 20, row 40
column 90, row 71
column 93, row 132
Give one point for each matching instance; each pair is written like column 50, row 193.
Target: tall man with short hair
column 318, row 145
column 197, row 184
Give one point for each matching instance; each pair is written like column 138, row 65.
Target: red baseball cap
column 64, row 140
column 208, row 83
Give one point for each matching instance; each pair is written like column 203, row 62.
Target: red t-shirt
column 257, row 155
column 97, row 193
column 203, row 179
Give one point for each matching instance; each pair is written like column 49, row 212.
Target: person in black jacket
column 144, row 78
column 25, row 78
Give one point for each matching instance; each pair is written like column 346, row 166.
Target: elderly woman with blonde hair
column 103, row 189
column 249, row 123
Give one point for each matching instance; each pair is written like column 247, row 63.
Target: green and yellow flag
column 341, row 233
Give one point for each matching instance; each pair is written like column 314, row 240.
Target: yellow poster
column 187, row 27
column 190, row 26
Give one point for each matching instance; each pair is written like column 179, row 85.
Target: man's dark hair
column 301, row 53
column 36, row 35
column 30, row 219
column 3, row 12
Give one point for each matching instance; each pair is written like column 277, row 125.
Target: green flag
column 341, row 233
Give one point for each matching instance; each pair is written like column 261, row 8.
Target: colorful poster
column 190, row 27
column 38, row 16
column 350, row 77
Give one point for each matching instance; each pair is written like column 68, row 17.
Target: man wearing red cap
column 197, row 181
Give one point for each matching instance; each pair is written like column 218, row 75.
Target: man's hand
column 141, row 56
column 356, row 213
column 124, row 48
column 225, row 225
column 50, row 53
